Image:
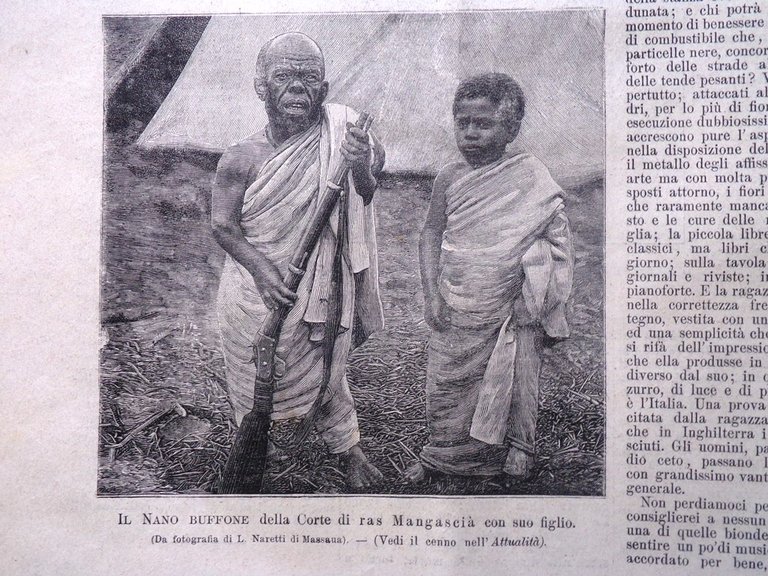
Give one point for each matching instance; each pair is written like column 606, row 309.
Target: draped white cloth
column 505, row 267
column 276, row 209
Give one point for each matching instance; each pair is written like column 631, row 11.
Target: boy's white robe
column 505, row 268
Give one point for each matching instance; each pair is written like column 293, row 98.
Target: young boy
column 496, row 268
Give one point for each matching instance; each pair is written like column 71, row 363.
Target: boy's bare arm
column 226, row 207
column 436, row 312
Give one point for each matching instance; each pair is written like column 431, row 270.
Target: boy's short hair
column 500, row 89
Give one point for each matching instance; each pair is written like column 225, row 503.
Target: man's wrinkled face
column 481, row 133
column 295, row 87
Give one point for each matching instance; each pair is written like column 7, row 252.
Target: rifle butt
column 244, row 470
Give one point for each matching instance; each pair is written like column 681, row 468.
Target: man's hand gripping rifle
column 244, row 470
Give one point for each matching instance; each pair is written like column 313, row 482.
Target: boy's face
column 481, row 134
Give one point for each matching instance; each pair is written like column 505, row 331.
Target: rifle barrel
column 274, row 321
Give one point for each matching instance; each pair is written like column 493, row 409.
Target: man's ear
column 261, row 89
column 323, row 92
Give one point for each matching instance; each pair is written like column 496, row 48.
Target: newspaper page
column 385, row 288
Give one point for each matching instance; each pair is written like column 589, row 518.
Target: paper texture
column 635, row 445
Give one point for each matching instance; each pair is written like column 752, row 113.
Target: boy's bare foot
column 415, row 474
column 519, row 464
column 359, row 472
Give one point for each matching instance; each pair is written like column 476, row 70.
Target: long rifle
column 244, row 470
column 332, row 320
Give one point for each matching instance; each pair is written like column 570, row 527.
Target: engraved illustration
column 353, row 253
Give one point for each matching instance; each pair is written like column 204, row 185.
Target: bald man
column 265, row 192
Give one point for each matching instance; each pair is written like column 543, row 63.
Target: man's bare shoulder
column 449, row 174
column 243, row 157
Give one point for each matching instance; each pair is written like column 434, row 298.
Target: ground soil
column 160, row 273
column 160, row 269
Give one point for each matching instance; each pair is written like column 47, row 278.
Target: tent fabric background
column 404, row 69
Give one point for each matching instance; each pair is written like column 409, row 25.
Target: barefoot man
column 266, row 189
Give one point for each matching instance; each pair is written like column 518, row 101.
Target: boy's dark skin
column 482, row 134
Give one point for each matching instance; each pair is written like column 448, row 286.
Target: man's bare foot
column 415, row 473
column 359, row 472
column 519, row 464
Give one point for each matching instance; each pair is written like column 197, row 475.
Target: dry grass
column 164, row 355
column 160, row 274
